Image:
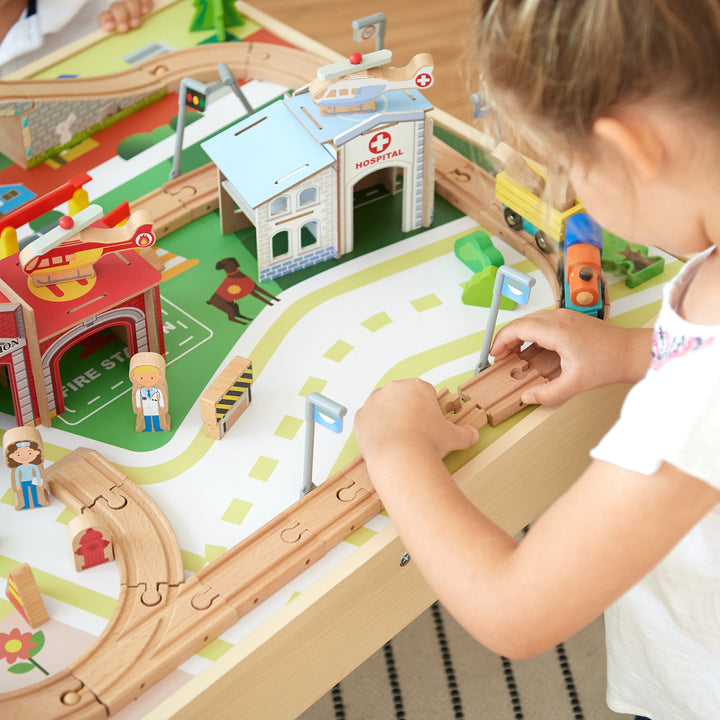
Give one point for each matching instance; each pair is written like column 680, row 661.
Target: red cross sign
column 423, row 80
column 380, row 142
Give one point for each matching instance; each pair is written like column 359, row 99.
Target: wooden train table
column 236, row 597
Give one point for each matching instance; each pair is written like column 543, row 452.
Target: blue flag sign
column 323, row 411
column 514, row 290
column 333, row 423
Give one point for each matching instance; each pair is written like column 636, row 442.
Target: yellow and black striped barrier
column 227, row 397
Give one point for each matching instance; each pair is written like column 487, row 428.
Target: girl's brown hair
column 565, row 63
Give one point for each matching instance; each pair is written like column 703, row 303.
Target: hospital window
column 279, row 205
column 280, row 244
column 308, row 196
column 309, row 235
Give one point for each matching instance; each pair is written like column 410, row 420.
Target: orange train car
column 583, row 269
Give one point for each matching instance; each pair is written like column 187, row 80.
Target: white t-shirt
column 56, row 23
column 663, row 636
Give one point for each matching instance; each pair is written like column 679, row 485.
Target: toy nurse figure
column 23, row 451
column 150, row 395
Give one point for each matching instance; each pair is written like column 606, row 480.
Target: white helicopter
column 353, row 85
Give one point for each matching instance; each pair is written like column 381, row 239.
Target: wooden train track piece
column 142, row 644
column 145, row 546
column 498, row 389
column 294, row 540
column 59, row 696
column 144, row 82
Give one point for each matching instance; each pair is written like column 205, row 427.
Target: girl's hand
column 123, row 15
column 592, row 352
column 404, row 417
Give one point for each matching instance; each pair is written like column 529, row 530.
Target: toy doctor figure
column 149, row 398
column 150, row 395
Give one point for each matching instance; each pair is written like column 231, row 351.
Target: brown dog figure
column 236, row 286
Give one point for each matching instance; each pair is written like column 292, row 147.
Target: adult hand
column 124, row 15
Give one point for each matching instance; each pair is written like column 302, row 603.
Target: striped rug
column 433, row 670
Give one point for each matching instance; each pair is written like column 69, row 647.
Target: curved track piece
column 145, row 546
column 60, row 696
column 150, row 79
column 471, row 189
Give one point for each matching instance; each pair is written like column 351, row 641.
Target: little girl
column 626, row 96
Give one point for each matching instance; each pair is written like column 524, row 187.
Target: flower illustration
column 16, row 645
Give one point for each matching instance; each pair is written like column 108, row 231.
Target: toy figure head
column 23, row 453
column 146, row 375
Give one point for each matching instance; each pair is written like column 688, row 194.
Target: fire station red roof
column 120, row 276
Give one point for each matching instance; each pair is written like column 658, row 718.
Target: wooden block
column 227, row 397
column 23, row 593
column 518, row 168
column 149, row 392
column 90, row 542
column 24, row 455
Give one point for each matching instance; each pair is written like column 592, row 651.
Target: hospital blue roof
column 287, row 142
column 267, row 153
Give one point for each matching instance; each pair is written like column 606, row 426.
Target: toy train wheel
column 514, row 221
column 541, row 240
